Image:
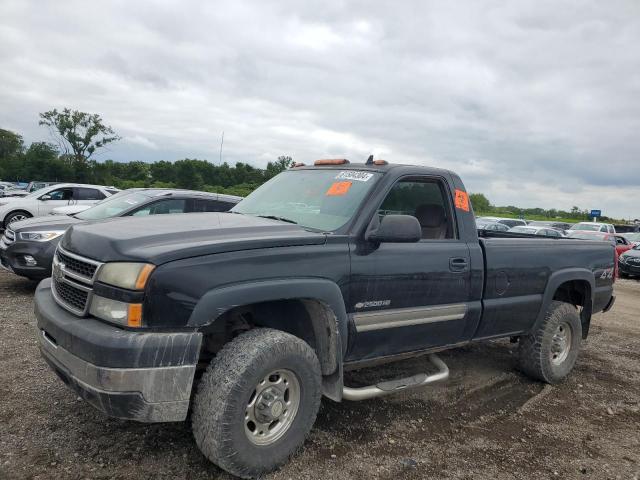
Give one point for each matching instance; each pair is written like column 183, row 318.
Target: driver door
column 412, row 296
column 59, row 197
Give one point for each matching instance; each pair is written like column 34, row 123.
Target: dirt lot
column 489, row 421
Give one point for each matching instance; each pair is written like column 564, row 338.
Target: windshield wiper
column 282, row 219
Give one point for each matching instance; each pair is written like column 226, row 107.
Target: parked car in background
column 27, row 247
column 30, row 188
column 560, row 226
column 622, row 244
column 629, row 262
column 509, row 222
column 482, row 224
column 633, row 237
column 41, row 202
column 627, row 228
column 6, row 186
column 594, row 227
column 542, row 231
column 70, row 209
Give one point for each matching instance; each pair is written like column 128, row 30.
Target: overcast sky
column 532, row 103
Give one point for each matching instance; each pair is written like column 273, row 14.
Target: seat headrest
column 430, row 215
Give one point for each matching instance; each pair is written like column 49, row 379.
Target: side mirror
column 394, row 229
column 45, row 197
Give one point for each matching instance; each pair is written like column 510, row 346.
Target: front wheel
column 550, row 352
column 257, row 402
column 16, row 217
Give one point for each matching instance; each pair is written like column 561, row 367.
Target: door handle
column 458, row 264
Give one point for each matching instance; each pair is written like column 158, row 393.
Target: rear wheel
column 550, row 352
column 256, row 402
column 16, row 217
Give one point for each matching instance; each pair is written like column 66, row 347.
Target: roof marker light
column 331, row 161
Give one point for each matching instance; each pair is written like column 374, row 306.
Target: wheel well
column 578, row 293
column 311, row 320
column 4, row 221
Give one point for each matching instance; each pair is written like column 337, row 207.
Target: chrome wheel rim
column 272, row 407
column 561, row 343
column 17, row 218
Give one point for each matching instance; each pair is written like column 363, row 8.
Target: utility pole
column 221, row 143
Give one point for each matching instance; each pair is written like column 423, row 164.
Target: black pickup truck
column 245, row 319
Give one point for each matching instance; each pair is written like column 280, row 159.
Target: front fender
column 216, row 302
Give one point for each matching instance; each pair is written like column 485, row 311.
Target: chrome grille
column 71, row 295
column 81, row 267
column 73, row 278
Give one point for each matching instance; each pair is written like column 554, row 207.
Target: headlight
column 126, row 314
column 132, row 276
column 40, row 236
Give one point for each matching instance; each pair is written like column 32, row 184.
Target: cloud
column 534, row 103
column 142, row 141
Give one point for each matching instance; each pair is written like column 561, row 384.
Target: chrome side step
column 393, row 386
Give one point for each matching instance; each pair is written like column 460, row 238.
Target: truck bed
column 521, row 268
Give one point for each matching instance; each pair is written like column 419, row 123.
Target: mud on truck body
column 245, row 319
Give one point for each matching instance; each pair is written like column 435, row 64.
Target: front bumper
column 629, row 269
column 131, row 375
column 12, row 258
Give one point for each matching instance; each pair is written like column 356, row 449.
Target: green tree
column 11, row 144
column 479, row 202
column 78, row 134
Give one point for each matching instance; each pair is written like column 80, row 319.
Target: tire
column 229, row 396
column 16, row 217
column 547, row 354
column 623, row 275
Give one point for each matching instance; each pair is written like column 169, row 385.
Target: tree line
column 483, row 207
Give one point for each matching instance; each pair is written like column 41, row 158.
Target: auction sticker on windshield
column 338, row 189
column 354, row 175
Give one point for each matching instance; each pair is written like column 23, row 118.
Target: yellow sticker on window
column 338, row 189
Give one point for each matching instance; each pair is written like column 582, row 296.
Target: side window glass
column 162, row 207
column 89, row 194
column 201, row 205
column 165, row 207
column 426, row 201
column 61, row 194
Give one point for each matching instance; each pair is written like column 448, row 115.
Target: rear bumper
column 131, row 375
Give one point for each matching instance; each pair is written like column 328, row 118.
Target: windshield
column 588, row 227
column 37, row 193
column 588, row 236
column 632, row 237
column 112, row 206
column 320, row 199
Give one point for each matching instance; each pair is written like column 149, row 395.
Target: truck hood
column 163, row 238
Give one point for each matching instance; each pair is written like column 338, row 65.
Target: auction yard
column 489, row 421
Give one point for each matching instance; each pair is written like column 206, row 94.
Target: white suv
column 41, row 202
column 594, row 227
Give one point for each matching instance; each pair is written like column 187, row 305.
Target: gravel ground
column 489, row 421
